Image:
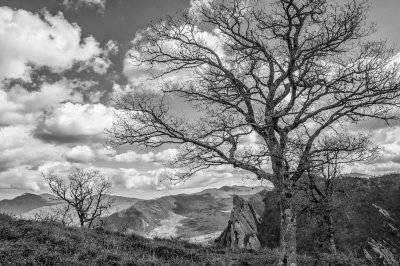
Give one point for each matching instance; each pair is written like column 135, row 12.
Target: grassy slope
column 37, row 243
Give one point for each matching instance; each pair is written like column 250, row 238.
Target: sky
column 60, row 63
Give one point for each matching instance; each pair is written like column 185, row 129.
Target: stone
column 381, row 253
column 242, row 229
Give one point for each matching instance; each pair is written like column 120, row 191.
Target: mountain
column 119, row 203
column 26, row 202
column 201, row 216
column 194, row 216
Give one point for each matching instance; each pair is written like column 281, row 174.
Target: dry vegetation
column 25, row 242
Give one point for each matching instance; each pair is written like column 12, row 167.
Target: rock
column 383, row 248
column 243, row 225
column 380, row 254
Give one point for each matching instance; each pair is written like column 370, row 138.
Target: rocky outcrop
column 380, row 253
column 384, row 249
column 243, row 225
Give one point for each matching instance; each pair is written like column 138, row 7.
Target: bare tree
column 327, row 188
column 58, row 214
column 290, row 71
column 85, row 190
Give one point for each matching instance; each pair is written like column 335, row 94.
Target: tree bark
column 331, row 234
column 287, row 242
column 81, row 221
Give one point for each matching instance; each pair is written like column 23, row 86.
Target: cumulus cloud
column 149, row 157
column 21, row 178
column 101, row 63
column 51, row 41
column 105, row 153
column 135, row 179
column 142, row 75
column 18, row 148
column 75, row 122
column 80, row 154
column 21, row 106
column 157, row 179
column 75, row 4
column 195, row 5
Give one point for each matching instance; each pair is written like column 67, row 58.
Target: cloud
column 101, row 63
column 149, row 157
column 75, row 4
column 20, row 106
column 135, row 179
column 75, row 123
column 105, row 153
column 21, row 178
column 196, row 5
column 18, row 148
column 157, row 180
column 80, row 154
column 27, row 41
column 142, row 75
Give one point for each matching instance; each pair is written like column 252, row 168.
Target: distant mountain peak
column 28, row 194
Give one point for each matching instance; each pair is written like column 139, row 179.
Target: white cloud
column 47, row 96
column 105, row 153
column 134, row 179
column 69, row 120
column 27, row 39
column 133, row 156
column 157, row 180
column 101, row 63
column 142, row 75
column 20, row 106
column 21, row 178
column 75, row 4
column 119, row 90
column 18, row 148
column 195, row 6
column 80, row 154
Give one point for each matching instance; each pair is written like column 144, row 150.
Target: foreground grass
column 38, row 243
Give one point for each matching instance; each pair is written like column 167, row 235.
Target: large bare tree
column 289, row 71
column 84, row 190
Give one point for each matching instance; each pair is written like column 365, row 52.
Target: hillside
column 367, row 226
column 25, row 242
column 366, row 222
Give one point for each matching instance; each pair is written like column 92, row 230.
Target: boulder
column 380, row 253
column 243, row 226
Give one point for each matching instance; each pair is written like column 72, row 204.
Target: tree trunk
column 81, row 221
column 287, row 242
column 331, row 234
column 90, row 225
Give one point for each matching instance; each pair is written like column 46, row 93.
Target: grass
column 25, row 242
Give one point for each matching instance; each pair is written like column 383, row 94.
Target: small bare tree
column 58, row 214
column 288, row 71
column 327, row 187
column 85, row 190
